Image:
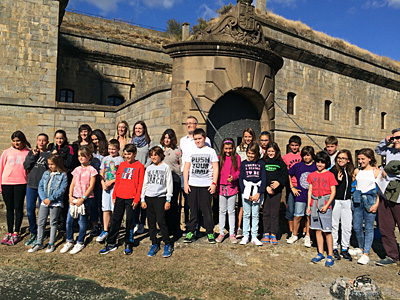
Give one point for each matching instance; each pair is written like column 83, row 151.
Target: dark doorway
column 232, row 114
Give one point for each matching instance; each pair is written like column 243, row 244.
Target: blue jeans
column 82, row 221
column 360, row 215
column 31, row 196
column 253, row 208
column 290, row 206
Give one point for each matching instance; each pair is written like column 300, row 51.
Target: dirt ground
column 194, row 271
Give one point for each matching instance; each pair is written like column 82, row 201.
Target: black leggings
column 14, row 196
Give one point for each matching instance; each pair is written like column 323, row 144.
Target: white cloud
column 206, row 12
column 287, row 3
column 394, row 3
column 161, row 3
column 105, row 6
column 381, row 3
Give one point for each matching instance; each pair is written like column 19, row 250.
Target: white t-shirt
column 201, row 171
column 187, row 144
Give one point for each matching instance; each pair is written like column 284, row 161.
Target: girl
column 156, row 198
column 365, row 203
column 249, row 136
column 80, row 197
column 52, row 187
column 173, row 158
column 321, row 192
column 84, row 136
column 265, row 138
column 229, row 165
column 100, row 144
column 341, row 212
column 277, row 177
column 13, row 178
column 143, row 143
column 252, row 181
column 35, row 164
column 123, row 135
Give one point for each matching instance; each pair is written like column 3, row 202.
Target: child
column 52, row 187
column 365, row 203
column 126, row 197
column 265, row 138
column 252, row 181
column 202, row 166
column 300, row 172
column 13, row 179
column 277, row 176
column 229, row 164
column 80, row 197
column 36, row 164
column 290, row 159
column 321, row 192
column 156, row 197
column 331, row 146
column 109, row 168
column 341, row 212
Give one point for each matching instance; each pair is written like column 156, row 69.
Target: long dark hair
column 146, row 134
column 222, row 156
column 369, row 153
column 84, row 127
column 274, row 146
column 61, row 131
column 349, row 165
column 21, row 136
column 172, row 137
column 103, row 144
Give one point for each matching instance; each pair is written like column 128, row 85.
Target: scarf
column 139, row 141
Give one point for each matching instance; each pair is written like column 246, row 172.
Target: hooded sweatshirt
column 36, row 165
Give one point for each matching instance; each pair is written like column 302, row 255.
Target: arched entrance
column 231, row 114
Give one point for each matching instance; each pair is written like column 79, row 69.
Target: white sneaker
column 307, row 241
column 140, row 229
column 136, row 228
column 102, row 237
column 256, row 242
column 293, row 239
column 77, row 248
column 68, row 246
column 244, row 240
column 355, row 252
column 364, row 260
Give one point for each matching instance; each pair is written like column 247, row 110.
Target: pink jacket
column 227, row 169
column 12, row 166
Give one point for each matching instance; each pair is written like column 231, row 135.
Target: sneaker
column 329, row 261
column 220, row 238
column 336, row 254
column 265, row 239
column 136, row 228
column 189, row 237
column 14, row 239
column 256, row 242
column 32, row 240
column 128, row 249
column 386, row 262
column 153, row 250
column 102, row 237
column 96, row 231
column 77, row 248
column 346, row 255
column 318, row 258
column 363, row 260
column 68, row 246
column 6, row 238
column 289, row 235
column 108, row 248
column 233, row 239
column 239, row 233
column 307, row 241
column 168, row 249
column 355, row 252
column 211, row 238
column 50, row 248
column 293, row 239
column 244, row 240
column 36, row 248
column 140, row 229
column 273, row 239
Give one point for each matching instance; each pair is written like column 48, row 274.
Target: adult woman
column 123, row 134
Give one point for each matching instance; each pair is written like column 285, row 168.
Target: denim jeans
column 31, row 196
column 290, row 205
column 251, row 208
column 82, row 221
column 360, row 215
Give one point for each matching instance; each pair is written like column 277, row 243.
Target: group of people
column 95, row 181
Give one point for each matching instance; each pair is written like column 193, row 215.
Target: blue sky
column 370, row 24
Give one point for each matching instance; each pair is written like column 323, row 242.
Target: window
column 115, row 100
column 383, row 120
column 327, row 112
column 357, row 116
column 290, row 103
column 67, row 96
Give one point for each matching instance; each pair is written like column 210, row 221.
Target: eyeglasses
column 394, row 138
column 342, row 158
column 190, row 123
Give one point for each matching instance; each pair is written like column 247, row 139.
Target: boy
column 290, row 159
column 126, row 196
column 202, row 165
column 109, row 167
column 331, row 146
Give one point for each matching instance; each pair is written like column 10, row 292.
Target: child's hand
column 373, row 208
column 134, row 205
column 230, row 178
column 308, row 211
column 296, row 192
column 79, row 202
column 187, row 189
column 35, row 151
column 46, row 201
column 113, row 201
column 256, row 197
column 104, row 186
column 340, row 175
column 212, row 189
column 274, row 184
column 167, row 206
column 54, row 152
column 270, row 190
column 324, row 209
column 71, row 200
column 144, row 205
column 108, row 184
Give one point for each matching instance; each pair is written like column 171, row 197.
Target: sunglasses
column 394, row 138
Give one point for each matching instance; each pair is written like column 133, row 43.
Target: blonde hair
column 127, row 136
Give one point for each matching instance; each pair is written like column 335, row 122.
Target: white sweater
column 158, row 182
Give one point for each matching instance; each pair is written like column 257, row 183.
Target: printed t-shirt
column 301, row 172
column 321, row 183
column 201, row 171
column 82, row 180
column 290, row 160
column 110, row 165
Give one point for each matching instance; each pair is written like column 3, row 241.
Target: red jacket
column 129, row 181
